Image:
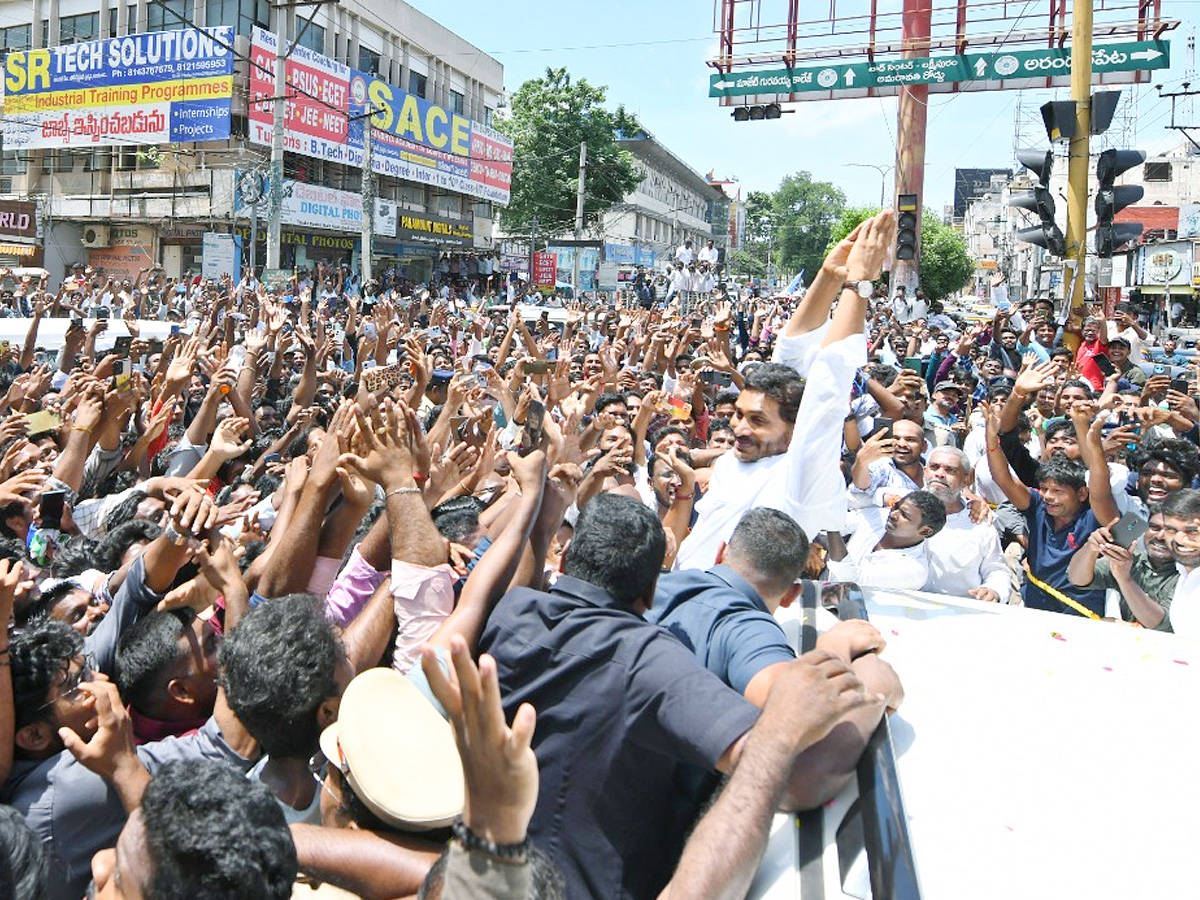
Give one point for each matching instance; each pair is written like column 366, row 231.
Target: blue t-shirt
column 720, row 618
column 1049, row 555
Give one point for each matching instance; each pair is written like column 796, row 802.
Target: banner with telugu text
column 164, row 87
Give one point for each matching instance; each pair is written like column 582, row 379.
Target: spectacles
column 69, row 685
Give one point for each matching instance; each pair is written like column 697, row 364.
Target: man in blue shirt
column 1069, row 504
column 726, row 615
column 620, row 704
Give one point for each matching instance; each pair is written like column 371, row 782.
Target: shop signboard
column 422, row 228
column 18, row 219
column 167, row 86
column 621, row 254
column 545, row 266
column 1189, row 220
column 413, row 138
column 121, row 261
column 420, row 141
column 1167, row 264
column 316, row 206
column 315, row 111
column 221, row 255
column 277, row 281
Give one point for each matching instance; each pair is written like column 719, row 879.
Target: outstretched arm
column 491, row 576
column 813, row 311
column 1014, row 490
column 1100, row 495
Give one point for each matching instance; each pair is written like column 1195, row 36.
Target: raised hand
column 230, row 438
column 1030, row 381
column 499, row 766
column 382, row 450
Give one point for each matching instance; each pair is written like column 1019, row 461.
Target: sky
column 651, row 55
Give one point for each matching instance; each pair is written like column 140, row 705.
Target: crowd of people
column 410, row 594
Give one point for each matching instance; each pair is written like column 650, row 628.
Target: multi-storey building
column 119, row 202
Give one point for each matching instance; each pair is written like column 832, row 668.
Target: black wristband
column 472, row 842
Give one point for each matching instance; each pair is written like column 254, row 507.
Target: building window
column 130, row 20
column 313, row 37
column 99, row 160
column 241, row 14
column 488, row 112
column 368, row 60
column 58, row 161
column 13, row 162
column 411, row 196
column 15, row 38
column 456, row 102
column 448, row 205
column 1156, row 171
column 79, row 28
column 416, row 83
column 168, row 15
column 45, row 33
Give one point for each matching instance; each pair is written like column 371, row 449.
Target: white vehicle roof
column 1039, row 755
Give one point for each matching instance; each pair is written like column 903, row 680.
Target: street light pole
column 882, row 170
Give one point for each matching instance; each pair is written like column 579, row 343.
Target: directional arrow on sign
column 721, row 85
column 849, row 76
column 980, row 67
column 1146, row 55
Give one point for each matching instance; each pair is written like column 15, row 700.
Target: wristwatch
column 864, row 288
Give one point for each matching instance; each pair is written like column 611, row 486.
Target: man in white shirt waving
column 685, row 255
column 709, row 254
column 773, row 463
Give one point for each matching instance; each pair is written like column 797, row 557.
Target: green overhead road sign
column 1002, row 66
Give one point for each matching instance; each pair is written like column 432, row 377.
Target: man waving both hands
column 774, row 463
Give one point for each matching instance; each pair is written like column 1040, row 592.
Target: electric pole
column 579, row 216
column 1075, row 263
column 368, row 192
column 275, row 189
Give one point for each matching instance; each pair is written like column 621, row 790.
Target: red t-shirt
column 1086, row 365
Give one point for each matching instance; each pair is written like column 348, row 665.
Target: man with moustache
column 1146, row 576
column 774, row 463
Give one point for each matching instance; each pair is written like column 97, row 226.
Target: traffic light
column 906, row 226
column 1047, row 233
column 758, row 113
column 1111, row 199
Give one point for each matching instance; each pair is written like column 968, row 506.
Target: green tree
column 548, row 119
column 805, row 212
column 848, row 221
column 751, row 260
column 946, row 266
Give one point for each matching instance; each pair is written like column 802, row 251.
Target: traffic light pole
column 1075, row 264
column 912, row 115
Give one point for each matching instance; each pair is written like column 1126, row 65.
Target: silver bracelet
column 404, row 490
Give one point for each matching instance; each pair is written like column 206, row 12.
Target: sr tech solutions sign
column 168, row 86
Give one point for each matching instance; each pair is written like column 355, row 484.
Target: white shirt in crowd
column 709, row 254
column 963, row 556
column 800, row 481
column 685, row 255
column 903, row 569
column 1184, row 613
